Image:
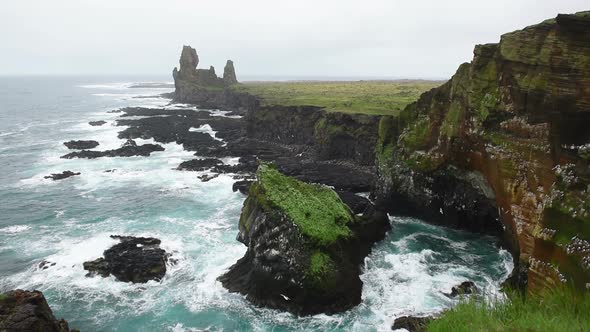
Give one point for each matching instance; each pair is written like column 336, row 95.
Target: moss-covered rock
column 304, row 246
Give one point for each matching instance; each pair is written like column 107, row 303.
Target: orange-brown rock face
column 513, row 125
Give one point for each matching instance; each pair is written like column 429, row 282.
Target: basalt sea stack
column 304, row 246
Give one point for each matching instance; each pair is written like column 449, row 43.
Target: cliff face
column 504, row 147
column 200, row 86
column 350, row 137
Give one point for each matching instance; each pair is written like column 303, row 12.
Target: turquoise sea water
column 68, row 222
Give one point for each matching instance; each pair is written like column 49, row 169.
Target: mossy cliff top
column 316, row 209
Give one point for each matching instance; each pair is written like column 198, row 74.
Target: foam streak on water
column 68, row 222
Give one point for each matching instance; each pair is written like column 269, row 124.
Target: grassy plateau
column 368, row 97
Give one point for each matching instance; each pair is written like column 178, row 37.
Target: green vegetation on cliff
column 321, row 270
column 317, row 210
column 369, row 97
column 556, row 311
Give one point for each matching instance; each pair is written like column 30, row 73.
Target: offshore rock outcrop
column 304, row 246
column 134, row 259
column 28, row 311
column 128, row 149
column 504, row 146
column 61, row 176
column 81, row 145
column 201, row 86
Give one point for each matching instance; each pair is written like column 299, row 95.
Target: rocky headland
column 502, row 148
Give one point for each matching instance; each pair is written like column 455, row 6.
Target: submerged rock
column 44, row 265
column 411, row 323
column 208, row 177
column 464, row 288
column 81, row 145
column 304, row 247
column 61, row 176
column 128, row 149
column 97, row 123
column 134, row 259
column 28, row 311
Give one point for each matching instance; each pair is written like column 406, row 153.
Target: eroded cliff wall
column 504, row 146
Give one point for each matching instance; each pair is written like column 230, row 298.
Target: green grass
column 562, row 310
column 368, row 97
column 317, row 210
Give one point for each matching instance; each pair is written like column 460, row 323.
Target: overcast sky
column 308, row 38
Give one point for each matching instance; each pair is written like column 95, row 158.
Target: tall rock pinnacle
column 229, row 73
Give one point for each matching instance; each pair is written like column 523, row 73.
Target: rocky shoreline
column 500, row 149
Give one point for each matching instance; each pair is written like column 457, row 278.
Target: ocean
column 68, row 222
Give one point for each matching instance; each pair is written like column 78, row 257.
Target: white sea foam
column 15, row 229
column 224, row 114
column 113, row 86
column 206, row 128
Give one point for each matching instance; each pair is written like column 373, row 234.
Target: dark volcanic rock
column 128, row 149
column 464, row 288
column 44, row 265
column 199, row 165
column 176, row 127
column 412, row 324
column 62, row 175
column 207, row 177
column 229, row 73
column 288, row 266
column 195, row 85
column 358, row 204
column 81, row 145
column 243, row 186
column 97, row 123
column 28, row 311
column 134, row 259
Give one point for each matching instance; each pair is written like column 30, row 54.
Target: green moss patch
column 317, row 210
column 416, row 136
column 322, row 270
column 452, row 123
